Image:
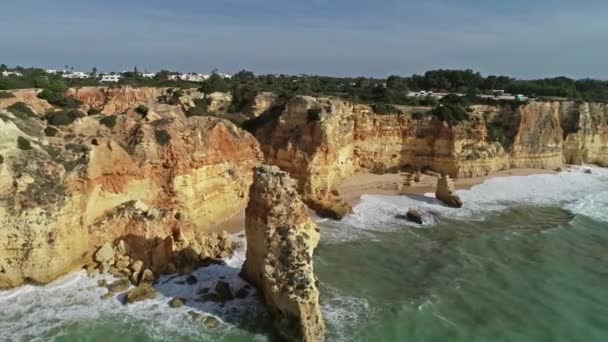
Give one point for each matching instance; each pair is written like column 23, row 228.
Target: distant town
column 117, row 76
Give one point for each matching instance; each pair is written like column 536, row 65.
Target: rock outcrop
column 281, row 238
column 104, row 178
column 445, row 192
column 323, row 141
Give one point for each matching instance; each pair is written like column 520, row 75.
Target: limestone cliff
column 281, row 238
column 64, row 190
column 322, row 141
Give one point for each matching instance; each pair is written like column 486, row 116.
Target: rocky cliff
column 281, row 238
column 66, row 190
column 322, row 141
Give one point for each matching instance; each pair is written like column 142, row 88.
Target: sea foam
column 574, row 190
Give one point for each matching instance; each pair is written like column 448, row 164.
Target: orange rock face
column 63, row 196
column 322, row 141
column 281, row 238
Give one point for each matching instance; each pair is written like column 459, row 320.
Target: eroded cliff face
column 65, row 190
column 116, row 100
column 322, row 141
column 281, row 238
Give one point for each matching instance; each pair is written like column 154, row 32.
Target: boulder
column 147, row 277
column 119, row 285
column 222, row 289
column 104, row 254
column 414, row 216
column 177, row 302
column 140, row 293
column 445, row 192
column 191, row 280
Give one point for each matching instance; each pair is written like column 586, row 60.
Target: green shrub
column 497, row 133
column 108, row 121
column 142, row 110
column 419, row 115
column 162, row 137
column 452, row 113
column 59, row 99
column 6, row 95
column 50, row 131
column 314, row 114
column 23, row 144
column 1, row 159
column 383, row 108
column 63, row 117
column 94, row 111
column 21, row 111
column 200, row 109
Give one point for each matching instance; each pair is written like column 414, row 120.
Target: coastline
column 386, row 184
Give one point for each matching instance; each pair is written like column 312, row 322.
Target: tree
column 215, row 83
column 3, row 67
column 94, row 72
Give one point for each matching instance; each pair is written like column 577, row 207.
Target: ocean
column 525, row 259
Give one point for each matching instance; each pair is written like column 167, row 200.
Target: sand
column 371, row 184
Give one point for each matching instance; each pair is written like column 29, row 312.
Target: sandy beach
column 387, row 184
column 372, row 184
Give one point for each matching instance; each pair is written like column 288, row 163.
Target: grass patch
column 21, row 110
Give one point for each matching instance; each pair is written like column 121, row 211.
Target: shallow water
column 526, row 259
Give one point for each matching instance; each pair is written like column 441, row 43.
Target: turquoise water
column 526, row 259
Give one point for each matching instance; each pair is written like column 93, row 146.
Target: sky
column 519, row 38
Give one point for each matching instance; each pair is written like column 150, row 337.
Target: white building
column 148, row 75
column 51, row 71
column 11, row 73
column 193, row 77
column 75, row 74
column 110, row 78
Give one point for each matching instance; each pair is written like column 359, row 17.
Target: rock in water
column 414, row 216
column 177, row 302
column 281, row 238
column 445, row 192
column 137, row 294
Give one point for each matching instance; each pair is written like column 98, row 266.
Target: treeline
column 393, row 90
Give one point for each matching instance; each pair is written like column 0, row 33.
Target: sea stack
column 281, row 238
column 445, row 192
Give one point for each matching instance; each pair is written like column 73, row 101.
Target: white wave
column 42, row 312
column 343, row 314
column 574, row 189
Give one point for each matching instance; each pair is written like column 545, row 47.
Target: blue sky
column 519, row 38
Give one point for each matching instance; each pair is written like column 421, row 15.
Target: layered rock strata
column 281, row 238
column 322, row 141
column 67, row 190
